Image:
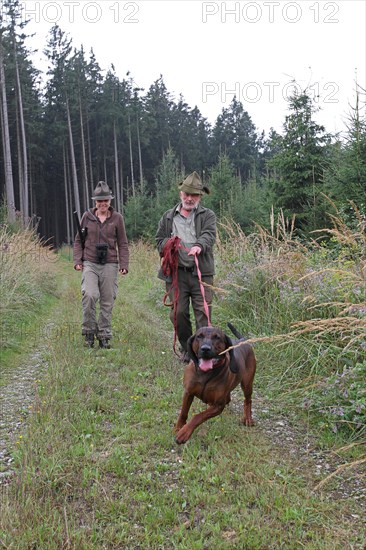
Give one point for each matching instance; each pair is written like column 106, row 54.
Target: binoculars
column 102, row 250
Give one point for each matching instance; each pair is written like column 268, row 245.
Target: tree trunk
column 31, row 194
column 20, row 165
column 83, row 150
column 68, row 225
column 9, row 184
column 69, row 194
column 118, row 198
column 73, row 163
column 122, row 195
column 131, row 157
column 140, row 157
column 105, row 169
column 90, row 162
column 24, row 158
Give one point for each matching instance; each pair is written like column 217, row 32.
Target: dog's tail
column 235, row 331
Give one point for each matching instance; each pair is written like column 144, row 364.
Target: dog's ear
column 232, row 364
column 190, row 351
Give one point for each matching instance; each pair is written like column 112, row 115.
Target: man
column 103, row 254
column 195, row 225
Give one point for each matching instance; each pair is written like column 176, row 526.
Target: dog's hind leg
column 247, row 419
column 247, row 387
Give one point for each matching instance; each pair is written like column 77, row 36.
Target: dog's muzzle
column 208, row 359
column 206, row 351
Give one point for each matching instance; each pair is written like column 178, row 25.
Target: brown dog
column 211, row 377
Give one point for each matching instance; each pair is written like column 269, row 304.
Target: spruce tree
column 296, row 168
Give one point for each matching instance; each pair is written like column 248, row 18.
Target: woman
column 103, row 253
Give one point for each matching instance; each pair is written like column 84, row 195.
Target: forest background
column 63, row 133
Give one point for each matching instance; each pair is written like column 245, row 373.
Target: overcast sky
column 209, row 51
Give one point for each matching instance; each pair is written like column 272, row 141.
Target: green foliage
column 353, row 217
column 341, row 400
column 246, row 206
column 345, row 242
column 345, row 175
column 224, row 186
column 142, row 212
column 139, row 218
column 3, row 213
column 167, row 180
column 297, row 165
column 234, row 135
column 232, row 199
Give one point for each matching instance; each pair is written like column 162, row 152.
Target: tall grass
column 307, row 302
column 27, row 267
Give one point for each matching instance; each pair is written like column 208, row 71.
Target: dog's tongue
column 206, row 364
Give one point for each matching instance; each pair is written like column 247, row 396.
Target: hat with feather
column 193, row 185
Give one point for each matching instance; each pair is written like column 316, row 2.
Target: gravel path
column 16, row 399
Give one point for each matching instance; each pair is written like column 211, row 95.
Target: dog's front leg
column 186, row 405
column 186, row 431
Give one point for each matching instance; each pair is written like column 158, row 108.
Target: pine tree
column 234, row 135
column 345, row 175
column 296, row 168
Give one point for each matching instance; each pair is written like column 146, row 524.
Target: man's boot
column 104, row 343
column 89, row 340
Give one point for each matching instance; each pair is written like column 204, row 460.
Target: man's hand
column 79, row 267
column 123, row 271
column 195, row 250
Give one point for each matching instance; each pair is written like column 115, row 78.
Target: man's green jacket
column 205, row 224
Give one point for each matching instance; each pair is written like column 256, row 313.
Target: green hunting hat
column 102, row 192
column 193, row 185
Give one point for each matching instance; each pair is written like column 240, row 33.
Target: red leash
column 205, row 304
column 169, row 266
